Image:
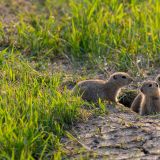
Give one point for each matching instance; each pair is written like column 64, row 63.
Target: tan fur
column 92, row 90
column 150, row 98
column 137, row 101
column 158, row 79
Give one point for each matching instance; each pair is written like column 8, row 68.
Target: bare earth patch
column 120, row 135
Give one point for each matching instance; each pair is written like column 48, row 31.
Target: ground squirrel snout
column 93, row 90
column 150, row 98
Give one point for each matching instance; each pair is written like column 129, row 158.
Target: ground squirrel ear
column 114, row 77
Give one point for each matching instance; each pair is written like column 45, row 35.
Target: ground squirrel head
column 158, row 79
column 120, row 79
column 150, row 88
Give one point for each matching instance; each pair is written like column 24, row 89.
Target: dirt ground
column 119, row 135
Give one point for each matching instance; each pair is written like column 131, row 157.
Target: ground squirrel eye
column 150, row 85
column 124, row 77
column 156, row 84
column 159, row 78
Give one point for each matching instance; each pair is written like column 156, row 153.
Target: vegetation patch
column 34, row 111
column 94, row 37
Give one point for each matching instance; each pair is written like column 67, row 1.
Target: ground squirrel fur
column 92, row 90
column 137, row 101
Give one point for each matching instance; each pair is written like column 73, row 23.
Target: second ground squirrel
column 150, row 103
column 93, row 90
column 137, row 101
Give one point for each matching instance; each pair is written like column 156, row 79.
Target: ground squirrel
column 150, row 98
column 137, row 101
column 92, row 90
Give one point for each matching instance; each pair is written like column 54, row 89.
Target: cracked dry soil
column 122, row 134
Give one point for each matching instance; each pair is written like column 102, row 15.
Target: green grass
column 123, row 30
column 35, row 110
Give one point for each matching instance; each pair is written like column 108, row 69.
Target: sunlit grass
column 123, row 31
column 33, row 110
